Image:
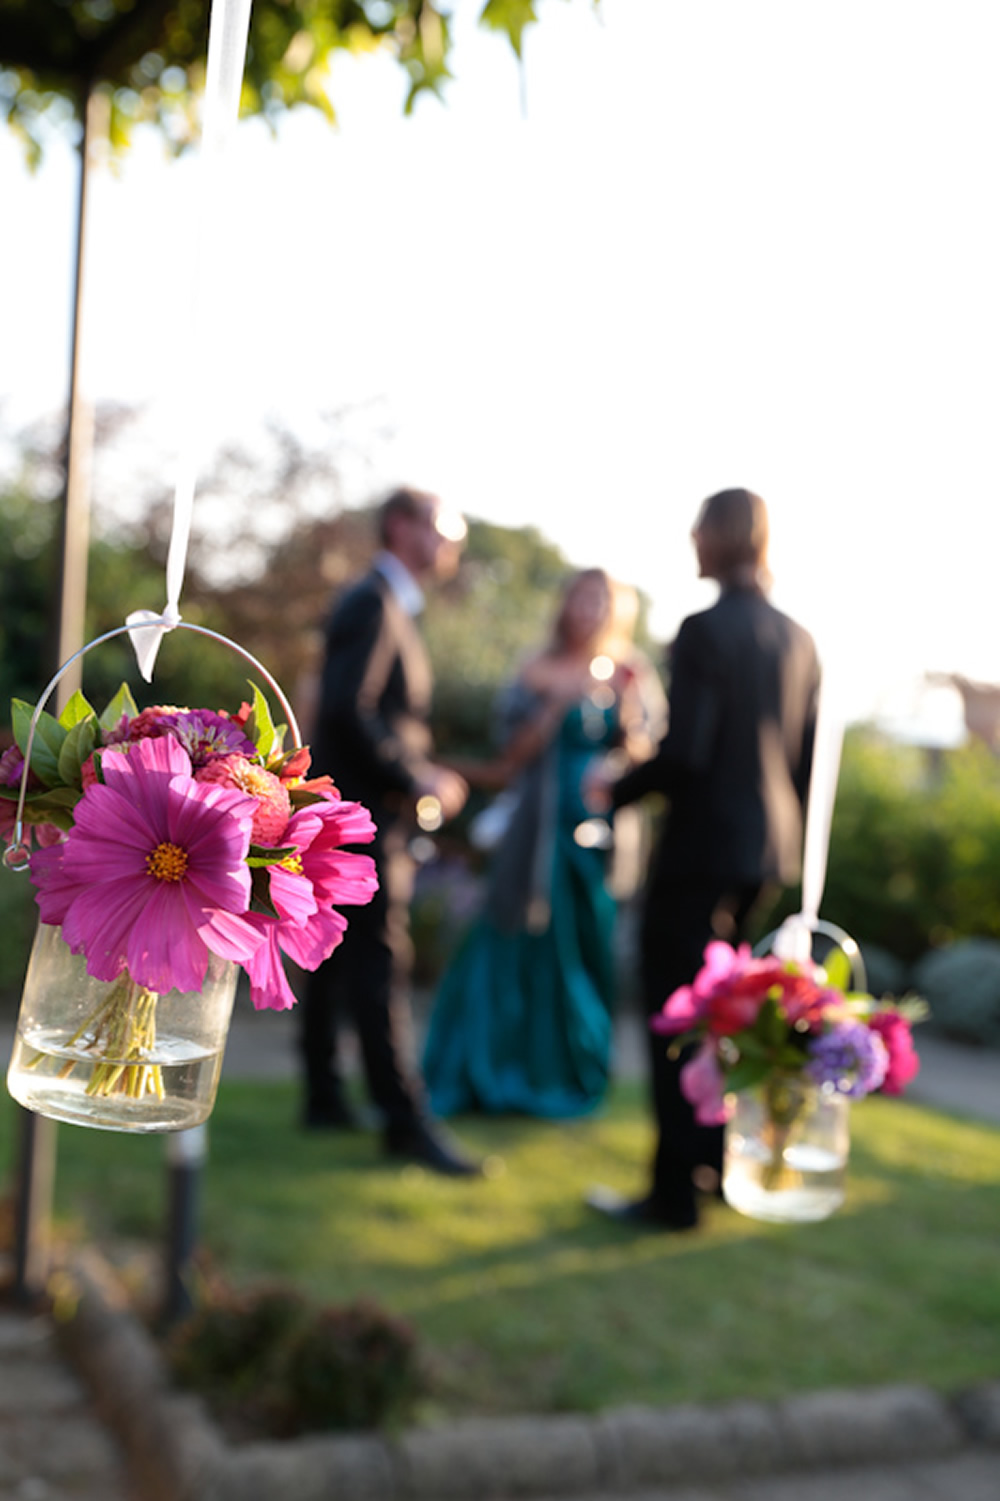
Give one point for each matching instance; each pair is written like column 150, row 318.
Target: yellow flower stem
column 123, row 1029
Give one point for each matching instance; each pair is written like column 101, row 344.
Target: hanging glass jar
column 115, row 1054
column 786, row 1150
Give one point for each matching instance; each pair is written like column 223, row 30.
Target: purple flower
column 205, row 735
column 851, row 1058
column 153, row 873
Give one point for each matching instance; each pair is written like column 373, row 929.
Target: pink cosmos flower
column 904, row 1064
column 303, row 889
column 273, row 804
column 152, row 876
column 703, row 1086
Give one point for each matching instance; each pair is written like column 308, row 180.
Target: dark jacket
column 735, row 762
column 372, row 734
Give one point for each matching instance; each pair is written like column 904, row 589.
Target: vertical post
column 37, row 1162
column 186, row 1154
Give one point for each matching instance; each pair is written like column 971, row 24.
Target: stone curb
column 174, row 1453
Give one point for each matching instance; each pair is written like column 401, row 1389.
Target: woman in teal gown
column 523, row 1019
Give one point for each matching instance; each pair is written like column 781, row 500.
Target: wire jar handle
column 17, row 855
column 819, row 926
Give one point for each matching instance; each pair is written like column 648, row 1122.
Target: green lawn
column 525, row 1301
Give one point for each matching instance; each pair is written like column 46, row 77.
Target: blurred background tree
column 148, row 57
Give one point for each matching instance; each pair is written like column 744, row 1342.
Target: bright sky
column 727, row 243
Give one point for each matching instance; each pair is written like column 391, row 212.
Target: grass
column 525, row 1301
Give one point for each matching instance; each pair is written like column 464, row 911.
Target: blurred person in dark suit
column 734, row 767
column 372, row 736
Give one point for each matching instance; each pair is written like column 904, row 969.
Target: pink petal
column 99, row 921
column 269, row 987
column 315, row 941
column 164, row 949
column 292, row 895
column 230, row 935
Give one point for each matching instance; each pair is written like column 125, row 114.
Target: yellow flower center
column 292, row 863
column 253, row 780
column 168, row 862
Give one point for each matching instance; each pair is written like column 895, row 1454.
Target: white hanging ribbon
column 227, row 44
column 794, row 938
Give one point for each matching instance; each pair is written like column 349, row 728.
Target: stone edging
column 174, row 1452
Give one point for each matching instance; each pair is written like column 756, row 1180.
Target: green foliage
column 269, row 1361
column 915, row 846
column 147, row 57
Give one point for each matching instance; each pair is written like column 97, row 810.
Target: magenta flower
column 703, row 1086
column 303, row 889
column 152, row 876
column 687, row 1006
column 903, row 1064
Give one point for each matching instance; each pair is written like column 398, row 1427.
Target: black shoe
column 418, row 1143
column 642, row 1214
column 330, row 1115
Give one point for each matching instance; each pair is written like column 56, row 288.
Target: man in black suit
column 734, row 767
column 372, row 737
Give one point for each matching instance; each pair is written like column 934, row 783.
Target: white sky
column 730, row 242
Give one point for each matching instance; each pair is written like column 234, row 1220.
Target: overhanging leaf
column 76, row 711
column 260, row 726
column 122, row 703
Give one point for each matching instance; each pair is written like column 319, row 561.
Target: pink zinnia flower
column 273, row 805
column 303, row 889
column 152, row 875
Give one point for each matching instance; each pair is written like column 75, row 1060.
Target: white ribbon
column 794, row 938
column 227, row 45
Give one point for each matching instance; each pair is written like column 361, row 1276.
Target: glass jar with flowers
column 779, row 1047
column 169, row 848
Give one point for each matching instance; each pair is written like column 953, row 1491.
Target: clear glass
column 113, row 1054
column 787, row 1145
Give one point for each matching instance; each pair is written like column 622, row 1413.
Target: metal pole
column 37, row 1162
column 186, row 1154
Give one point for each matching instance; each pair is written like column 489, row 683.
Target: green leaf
column 301, row 797
column 47, row 744
column 20, row 718
column 122, row 703
column 77, row 746
column 838, row 969
column 262, row 854
column 260, row 727
column 747, row 1073
column 76, row 711
column 260, row 893
column 511, row 16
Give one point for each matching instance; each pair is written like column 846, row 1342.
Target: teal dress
column 522, row 1022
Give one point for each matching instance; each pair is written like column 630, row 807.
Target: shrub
column 961, row 984
column 266, row 1360
column 353, row 1367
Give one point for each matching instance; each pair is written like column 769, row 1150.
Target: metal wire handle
column 841, row 939
column 17, row 855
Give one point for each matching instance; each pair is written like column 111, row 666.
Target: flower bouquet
column 171, row 846
column 782, row 1047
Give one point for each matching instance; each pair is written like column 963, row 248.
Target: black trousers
column 367, row 980
column 681, row 915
